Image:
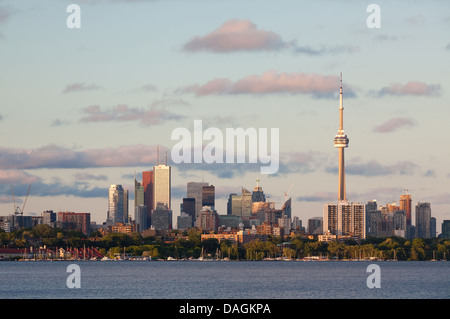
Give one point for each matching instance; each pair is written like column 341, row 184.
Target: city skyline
column 89, row 107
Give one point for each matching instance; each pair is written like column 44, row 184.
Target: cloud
column 322, row 50
column 53, row 156
column 236, row 35
column 441, row 199
column 124, row 113
column 80, row 87
column 413, row 88
column 289, row 163
column 430, row 173
column 394, row 124
column 322, row 197
column 373, row 168
column 244, row 36
column 272, row 82
column 59, row 122
column 147, row 88
column 11, row 177
column 86, row 176
column 77, row 189
column 6, row 12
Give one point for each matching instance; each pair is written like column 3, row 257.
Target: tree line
column 294, row 247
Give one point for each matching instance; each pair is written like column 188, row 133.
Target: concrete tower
column 341, row 142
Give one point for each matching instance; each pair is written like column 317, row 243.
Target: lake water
column 224, row 280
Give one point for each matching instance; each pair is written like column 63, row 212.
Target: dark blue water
column 220, row 279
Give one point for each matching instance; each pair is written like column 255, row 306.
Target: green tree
column 417, row 249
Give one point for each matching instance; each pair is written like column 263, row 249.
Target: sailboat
column 201, row 256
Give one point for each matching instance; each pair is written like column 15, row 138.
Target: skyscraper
column 405, row 204
column 116, row 204
column 343, row 218
column 162, row 217
column 189, row 208
column 445, row 228
column 161, row 185
column 208, row 196
column 258, row 194
column 138, row 193
column 195, row 190
column 423, row 220
column 125, row 206
column 147, row 184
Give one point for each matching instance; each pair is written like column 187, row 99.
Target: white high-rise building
column 116, row 204
column 161, row 186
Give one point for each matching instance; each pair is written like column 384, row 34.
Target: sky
column 84, row 108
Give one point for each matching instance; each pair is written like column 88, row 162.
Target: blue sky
column 85, row 108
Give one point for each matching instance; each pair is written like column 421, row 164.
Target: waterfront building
column 74, row 221
column 327, row 237
column 235, row 237
column 121, row 228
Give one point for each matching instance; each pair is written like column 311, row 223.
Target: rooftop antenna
column 157, row 155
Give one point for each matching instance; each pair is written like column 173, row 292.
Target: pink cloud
column 53, row 156
column 236, row 35
column 411, row 88
column 394, row 124
column 272, row 82
column 17, row 177
column 124, row 113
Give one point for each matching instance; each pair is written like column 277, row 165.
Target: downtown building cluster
column 248, row 214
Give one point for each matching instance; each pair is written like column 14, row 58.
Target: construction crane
column 17, row 210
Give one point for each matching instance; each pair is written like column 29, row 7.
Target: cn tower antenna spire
column 341, row 109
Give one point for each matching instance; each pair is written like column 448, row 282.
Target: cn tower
column 341, row 142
